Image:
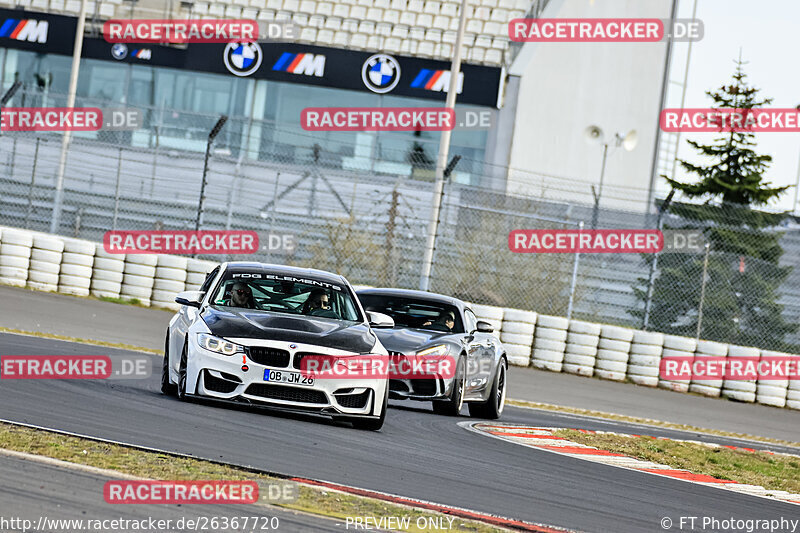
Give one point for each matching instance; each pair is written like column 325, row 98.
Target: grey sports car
column 434, row 324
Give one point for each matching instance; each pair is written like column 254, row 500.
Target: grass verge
column 648, row 422
column 120, row 345
column 155, row 465
column 771, row 471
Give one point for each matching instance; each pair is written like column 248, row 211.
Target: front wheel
column 492, row 408
column 452, row 405
column 166, row 387
column 182, row 372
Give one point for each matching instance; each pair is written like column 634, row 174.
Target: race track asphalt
column 417, row 454
column 61, row 314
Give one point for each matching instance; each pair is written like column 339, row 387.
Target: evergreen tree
column 743, row 278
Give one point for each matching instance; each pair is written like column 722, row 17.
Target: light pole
column 441, row 160
column 594, row 134
column 201, row 204
column 73, row 87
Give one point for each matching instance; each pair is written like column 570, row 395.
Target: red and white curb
column 542, row 438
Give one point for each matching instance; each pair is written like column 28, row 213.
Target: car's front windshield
column 415, row 313
column 281, row 293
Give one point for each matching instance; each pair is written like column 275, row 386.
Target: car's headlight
column 439, row 349
column 215, row 344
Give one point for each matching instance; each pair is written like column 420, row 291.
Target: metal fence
column 364, row 214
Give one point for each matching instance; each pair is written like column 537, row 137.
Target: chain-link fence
column 362, row 210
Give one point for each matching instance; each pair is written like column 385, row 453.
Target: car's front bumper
column 223, row 377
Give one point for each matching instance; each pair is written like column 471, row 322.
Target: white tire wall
column 549, row 343
column 705, row 350
column 77, row 262
column 613, row 350
column 772, row 391
column 15, row 256
column 677, row 346
column 45, row 263
column 492, row 315
column 138, row 277
column 169, row 279
column 793, row 390
column 644, row 358
column 107, row 273
column 580, row 350
column 740, row 390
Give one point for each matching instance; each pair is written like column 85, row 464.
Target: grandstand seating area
column 423, row 28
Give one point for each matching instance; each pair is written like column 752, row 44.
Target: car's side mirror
column 484, row 327
column 379, row 320
column 190, row 298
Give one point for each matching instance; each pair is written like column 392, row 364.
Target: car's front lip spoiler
column 327, row 411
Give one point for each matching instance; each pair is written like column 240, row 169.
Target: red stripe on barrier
column 452, row 511
column 582, row 451
column 686, row 476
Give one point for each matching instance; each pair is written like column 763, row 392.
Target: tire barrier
column 138, row 277
column 676, row 346
column 645, row 357
column 772, row 391
column 516, row 334
column 793, row 390
column 77, row 262
column 581, row 348
column 741, row 390
column 704, row 350
column 107, row 273
column 490, row 314
column 549, row 343
column 15, row 256
column 612, row 352
column 170, row 279
column 45, row 262
column 53, row 263
column 196, row 272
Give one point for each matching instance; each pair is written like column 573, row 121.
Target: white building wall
column 565, row 87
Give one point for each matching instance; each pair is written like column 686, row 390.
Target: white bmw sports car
column 243, row 335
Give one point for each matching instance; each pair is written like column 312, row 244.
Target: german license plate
column 293, row 378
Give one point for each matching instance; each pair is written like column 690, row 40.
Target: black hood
column 408, row 341
column 338, row 334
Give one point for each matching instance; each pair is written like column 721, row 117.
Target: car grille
column 290, row 394
column 353, row 401
column 395, row 353
column 268, row 356
column 216, row 384
column 298, row 357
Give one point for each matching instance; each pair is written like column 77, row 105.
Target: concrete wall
column 565, row 87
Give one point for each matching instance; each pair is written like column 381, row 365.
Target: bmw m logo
column 380, row 73
column 292, row 346
column 242, row 58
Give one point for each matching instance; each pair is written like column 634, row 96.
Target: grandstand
column 421, row 28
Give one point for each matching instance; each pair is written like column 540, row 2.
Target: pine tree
column 740, row 304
